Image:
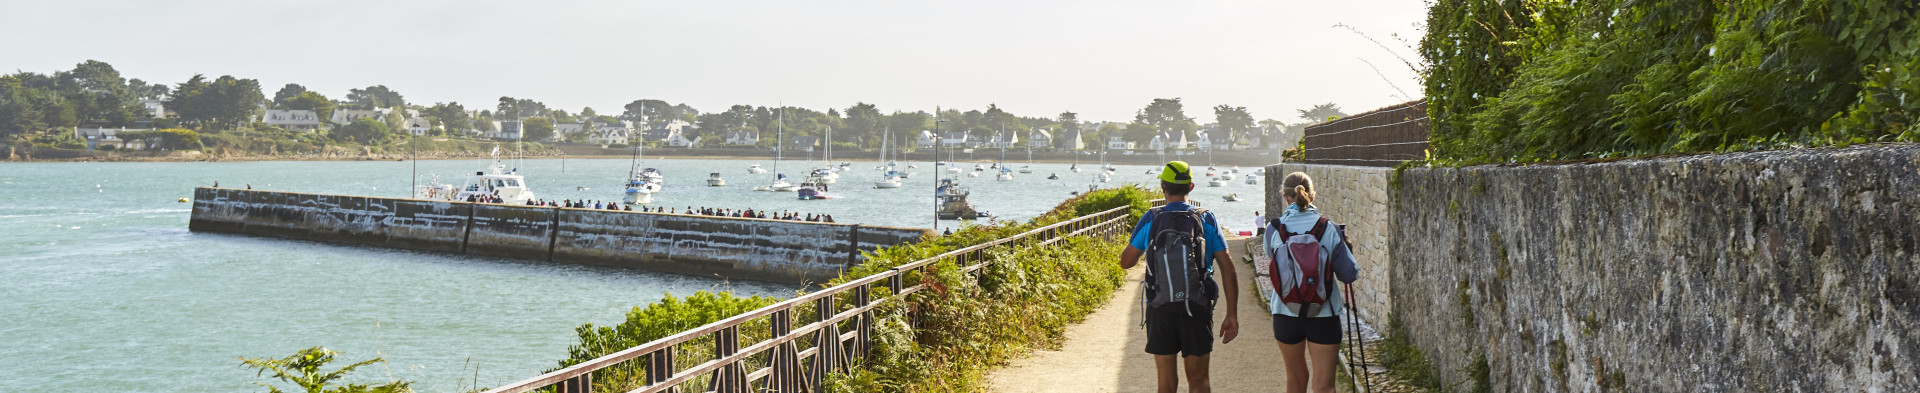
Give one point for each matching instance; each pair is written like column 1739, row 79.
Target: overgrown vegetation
column 968, row 322
column 1406, row 360
column 303, row 370
column 1522, row 81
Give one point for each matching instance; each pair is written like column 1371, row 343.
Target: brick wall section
column 1355, row 196
column 1769, row 271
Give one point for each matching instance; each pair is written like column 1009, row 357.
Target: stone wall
column 1355, row 196
column 736, row 248
column 1770, row 271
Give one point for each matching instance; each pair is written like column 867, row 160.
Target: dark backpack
column 1176, row 258
column 1310, row 288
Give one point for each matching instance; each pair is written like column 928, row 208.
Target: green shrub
column 1514, row 81
column 303, row 370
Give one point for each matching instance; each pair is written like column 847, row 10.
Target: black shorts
column 1170, row 330
column 1290, row 330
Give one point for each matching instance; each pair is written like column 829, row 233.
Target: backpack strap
column 1319, row 228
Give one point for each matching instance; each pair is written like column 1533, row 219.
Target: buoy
column 183, row 200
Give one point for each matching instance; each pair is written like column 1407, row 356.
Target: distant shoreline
column 1015, row 158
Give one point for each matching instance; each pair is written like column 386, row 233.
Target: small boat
column 1215, row 183
column 905, row 175
column 714, row 180
column 913, row 167
column 1053, row 177
column 1106, row 176
column 1253, row 180
column 973, row 174
column 755, row 169
column 810, row 193
column 641, row 187
column 1026, row 169
column 780, row 184
column 979, row 168
column 826, row 175
column 891, row 180
column 1232, row 197
column 582, row 188
column 1228, row 176
column 1075, row 168
column 502, row 183
column 953, row 202
column 1005, row 175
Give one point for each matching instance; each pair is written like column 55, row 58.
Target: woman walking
column 1306, row 305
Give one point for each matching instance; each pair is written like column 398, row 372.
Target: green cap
column 1177, row 172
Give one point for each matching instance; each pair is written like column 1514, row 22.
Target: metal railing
column 727, row 370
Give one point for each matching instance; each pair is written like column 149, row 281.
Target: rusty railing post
column 829, row 354
column 786, row 358
column 732, row 377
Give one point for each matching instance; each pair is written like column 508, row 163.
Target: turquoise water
column 102, row 288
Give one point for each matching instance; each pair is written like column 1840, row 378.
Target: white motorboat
column 1228, row 176
column 979, row 167
column 1026, row 169
column 1106, row 176
column 1232, row 197
column 1253, row 180
column 953, row 169
column 755, row 169
column 973, row 174
column 827, row 175
column 1005, row 175
column 953, row 202
column 813, row 188
column 714, row 180
column 1215, row 183
column 496, row 182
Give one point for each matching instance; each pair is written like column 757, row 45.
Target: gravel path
column 1106, row 353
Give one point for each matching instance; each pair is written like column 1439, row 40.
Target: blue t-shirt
column 1143, row 231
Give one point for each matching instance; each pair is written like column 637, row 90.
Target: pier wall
column 735, row 248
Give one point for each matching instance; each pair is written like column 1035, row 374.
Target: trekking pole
column 1359, row 342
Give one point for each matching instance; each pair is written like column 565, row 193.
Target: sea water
column 102, row 288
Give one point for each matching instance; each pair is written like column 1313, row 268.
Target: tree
column 865, row 121
column 303, row 369
column 450, row 116
column 309, row 100
column 1234, row 120
column 588, row 113
column 650, row 112
column 377, row 96
column 146, row 91
column 1139, row 133
column 537, row 129
column 1165, row 114
column 1069, row 125
column 1322, row 112
column 364, row 131
column 98, row 93
column 288, row 92
column 226, row 101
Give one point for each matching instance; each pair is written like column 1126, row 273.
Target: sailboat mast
column 779, row 135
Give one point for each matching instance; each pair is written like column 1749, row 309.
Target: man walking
column 1182, row 246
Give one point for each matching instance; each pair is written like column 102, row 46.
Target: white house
column 1003, row 140
column 505, row 129
column 957, row 139
column 1168, row 140
column 608, row 136
column 743, row 138
column 343, row 117
column 1041, row 139
column 1115, row 143
column 155, row 108
column 679, row 139
column 926, row 139
column 418, row 125
column 292, row 119
column 660, row 134
column 97, row 137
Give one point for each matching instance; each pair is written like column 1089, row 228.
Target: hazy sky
column 1102, row 59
